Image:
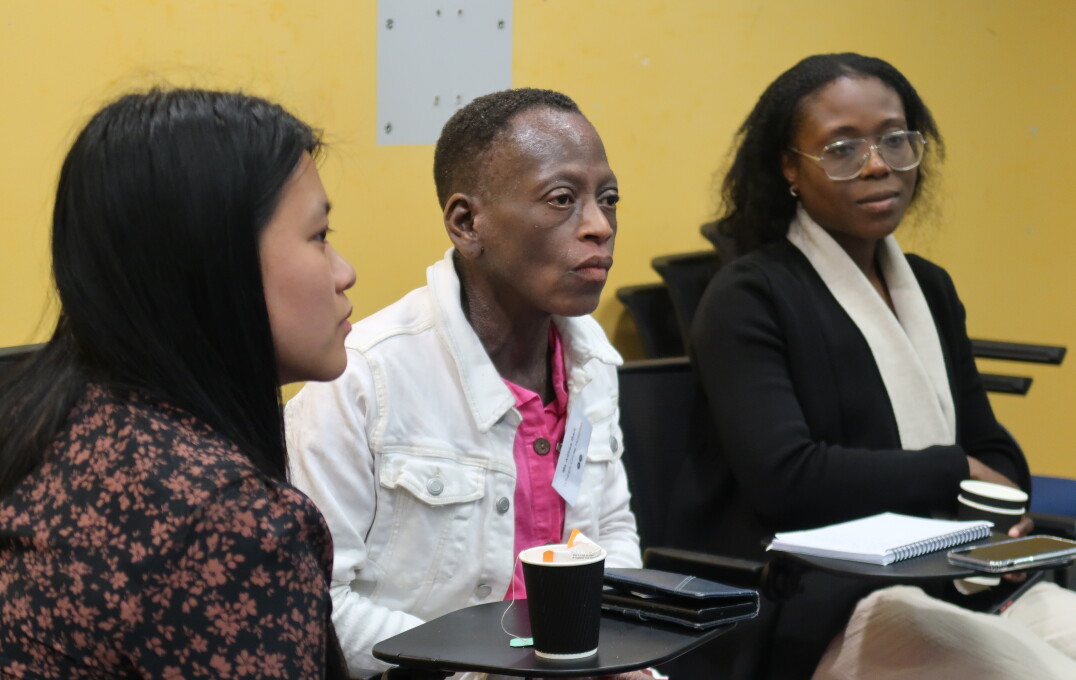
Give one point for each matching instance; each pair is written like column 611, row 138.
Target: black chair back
column 651, row 308
column 9, row 356
column 663, row 424
column 658, row 402
column 687, row 275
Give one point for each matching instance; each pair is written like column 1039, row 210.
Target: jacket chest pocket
column 432, row 481
column 423, row 529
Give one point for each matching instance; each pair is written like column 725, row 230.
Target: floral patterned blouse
column 147, row 546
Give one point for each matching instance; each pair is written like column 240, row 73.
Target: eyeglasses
column 844, row 160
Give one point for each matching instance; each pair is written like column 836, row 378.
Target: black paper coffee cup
column 564, row 599
column 997, row 503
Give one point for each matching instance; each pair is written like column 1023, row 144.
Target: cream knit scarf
column 906, row 346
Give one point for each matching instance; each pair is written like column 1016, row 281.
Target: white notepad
column 881, row 539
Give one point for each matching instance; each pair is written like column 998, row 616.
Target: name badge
column 573, row 455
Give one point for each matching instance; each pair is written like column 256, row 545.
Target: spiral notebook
column 881, row 539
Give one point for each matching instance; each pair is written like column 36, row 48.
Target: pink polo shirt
column 539, row 508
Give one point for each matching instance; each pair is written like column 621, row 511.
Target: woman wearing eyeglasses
column 837, row 370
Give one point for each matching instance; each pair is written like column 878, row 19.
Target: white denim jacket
column 409, row 457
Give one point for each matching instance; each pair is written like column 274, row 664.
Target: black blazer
column 800, row 431
column 803, row 433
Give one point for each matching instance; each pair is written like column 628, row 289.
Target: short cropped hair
column 472, row 130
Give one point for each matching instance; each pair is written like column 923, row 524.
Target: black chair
column 686, row 275
column 660, row 419
column 651, row 308
column 724, row 244
column 656, row 397
column 10, row 356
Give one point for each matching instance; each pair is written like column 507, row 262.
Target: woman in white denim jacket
column 409, row 457
column 409, row 454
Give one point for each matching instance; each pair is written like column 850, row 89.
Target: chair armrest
column 1017, row 351
column 731, row 570
column 1006, row 384
column 1055, row 525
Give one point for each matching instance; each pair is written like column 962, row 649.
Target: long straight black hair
column 155, row 233
column 159, row 207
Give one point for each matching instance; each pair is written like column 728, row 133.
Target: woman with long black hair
column 146, row 525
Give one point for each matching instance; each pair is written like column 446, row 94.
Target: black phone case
column 652, row 595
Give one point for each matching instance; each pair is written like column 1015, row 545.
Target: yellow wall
column 666, row 83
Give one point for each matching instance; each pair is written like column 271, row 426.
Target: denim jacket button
column 482, row 591
column 435, row 486
column 613, row 444
column 503, row 505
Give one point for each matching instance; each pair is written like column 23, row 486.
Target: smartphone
column 1029, row 552
column 699, row 616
